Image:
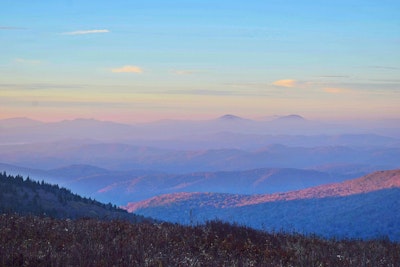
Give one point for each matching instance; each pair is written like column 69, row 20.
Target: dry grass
column 42, row 241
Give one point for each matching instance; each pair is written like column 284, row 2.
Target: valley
column 279, row 174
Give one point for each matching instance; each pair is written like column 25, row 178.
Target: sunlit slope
column 367, row 207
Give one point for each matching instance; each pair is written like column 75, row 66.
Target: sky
column 137, row 61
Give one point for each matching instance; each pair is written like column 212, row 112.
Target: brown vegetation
column 42, row 241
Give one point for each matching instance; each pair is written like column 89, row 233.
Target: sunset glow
column 135, row 62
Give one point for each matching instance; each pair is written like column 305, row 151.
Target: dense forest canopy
column 29, row 197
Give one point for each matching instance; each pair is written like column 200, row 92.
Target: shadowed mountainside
column 123, row 186
column 27, row 197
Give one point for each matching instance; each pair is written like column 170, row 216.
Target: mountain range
column 24, row 130
column 366, row 207
column 285, row 172
column 123, row 186
column 119, row 156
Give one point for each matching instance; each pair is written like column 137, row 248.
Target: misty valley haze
column 227, row 131
column 226, row 160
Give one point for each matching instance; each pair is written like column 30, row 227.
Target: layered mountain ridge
column 366, row 207
column 372, row 182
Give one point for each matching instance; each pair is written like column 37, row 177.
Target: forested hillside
column 28, row 197
column 92, row 239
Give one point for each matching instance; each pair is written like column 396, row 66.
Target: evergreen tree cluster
column 29, row 197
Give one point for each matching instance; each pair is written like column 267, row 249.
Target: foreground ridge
column 35, row 241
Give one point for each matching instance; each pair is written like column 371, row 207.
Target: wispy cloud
column 10, row 28
column 27, row 61
column 286, row 83
column 184, row 72
column 204, row 92
column 334, row 76
column 327, row 87
column 82, row 32
column 335, row 90
column 39, row 86
column 384, row 67
column 128, row 69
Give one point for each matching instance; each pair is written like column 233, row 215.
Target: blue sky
column 146, row 60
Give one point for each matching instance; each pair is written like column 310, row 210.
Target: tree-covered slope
column 25, row 196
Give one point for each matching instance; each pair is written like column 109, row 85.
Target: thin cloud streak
column 384, row 67
column 289, row 83
column 10, row 28
column 40, row 86
column 128, row 69
column 28, row 61
column 334, row 76
column 333, row 90
column 184, row 72
column 83, row 32
column 203, row 92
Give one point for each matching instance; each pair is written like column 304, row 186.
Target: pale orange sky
column 155, row 60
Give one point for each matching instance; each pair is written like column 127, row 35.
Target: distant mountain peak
column 84, row 120
column 230, row 117
column 292, row 117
